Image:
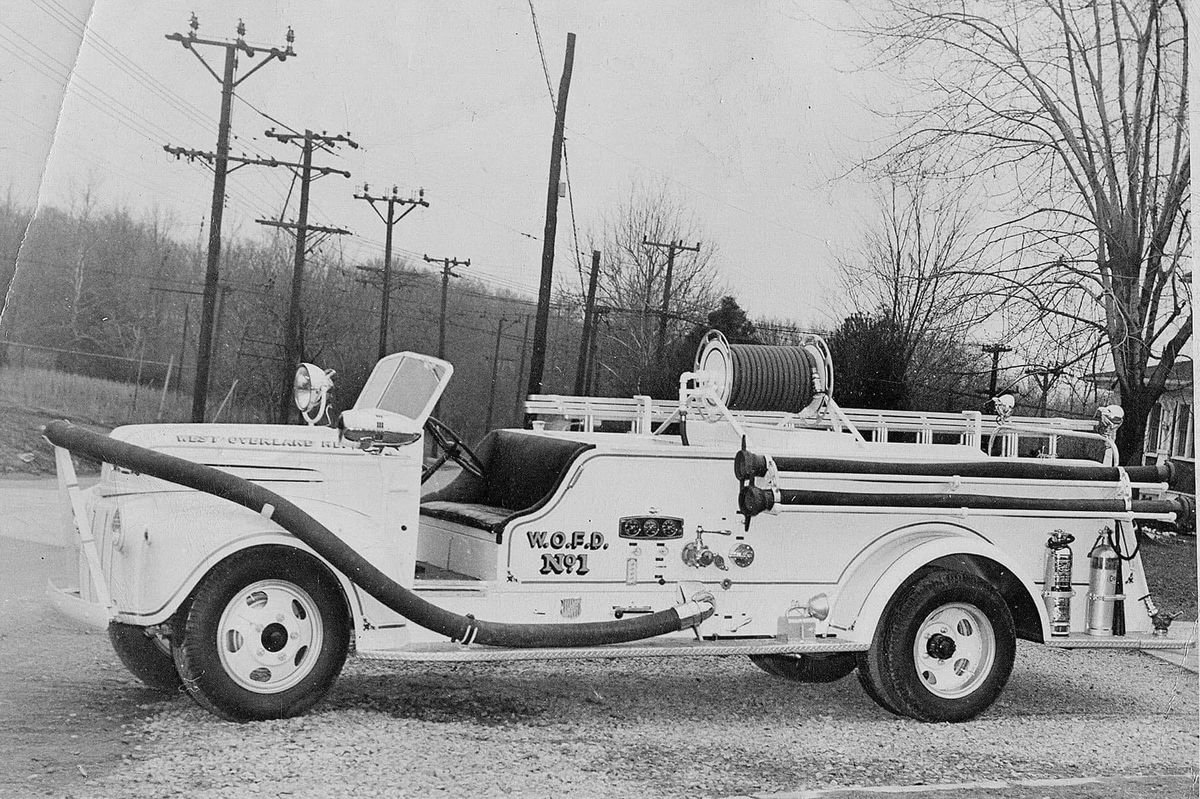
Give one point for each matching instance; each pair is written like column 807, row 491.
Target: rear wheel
column 807, row 668
column 148, row 657
column 265, row 636
column 943, row 651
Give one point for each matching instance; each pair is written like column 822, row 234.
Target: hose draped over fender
column 464, row 629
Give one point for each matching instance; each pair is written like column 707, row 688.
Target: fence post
column 162, row 400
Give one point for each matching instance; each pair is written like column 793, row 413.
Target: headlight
column 310, row 388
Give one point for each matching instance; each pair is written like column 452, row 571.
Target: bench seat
column 522, row 470
column 471, row 514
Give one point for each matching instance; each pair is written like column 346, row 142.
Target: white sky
column 747, row 111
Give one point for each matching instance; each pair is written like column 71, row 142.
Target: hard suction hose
column 464, row 629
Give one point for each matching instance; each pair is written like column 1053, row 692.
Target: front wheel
column 265, row 636
column 943, row 650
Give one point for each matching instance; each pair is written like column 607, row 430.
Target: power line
column 63, row 17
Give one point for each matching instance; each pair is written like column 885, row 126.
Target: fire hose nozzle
column 753, row 500
column 747, row 465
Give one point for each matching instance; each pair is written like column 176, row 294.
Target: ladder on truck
column 643, row 414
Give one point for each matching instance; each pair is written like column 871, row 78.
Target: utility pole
column 448, row 265
column 390, row 220
column 585, row 339
column 593, row 350
column 228, row 82
column 537, row 362
column 671, row 247
column 220, row 313
column 521, row 369
column 293, row 336
column 187, row 313
column 495, row 368
column 994, row 350
column 1046, row 377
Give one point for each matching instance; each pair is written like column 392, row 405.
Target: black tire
column 943, row 650
column 278, row 655
column 146, row 657
column 807, row 668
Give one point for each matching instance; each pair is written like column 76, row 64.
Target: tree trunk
column 1131, row 437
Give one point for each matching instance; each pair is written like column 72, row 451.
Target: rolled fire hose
column 748, row 465
column 761, row 377
column 464, row 629
column 753, row 500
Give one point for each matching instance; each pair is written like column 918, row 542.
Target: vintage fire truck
column 751, row 517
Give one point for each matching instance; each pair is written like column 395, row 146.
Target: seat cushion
column 522, row 469
column 471, row 514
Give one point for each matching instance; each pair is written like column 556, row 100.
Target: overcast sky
column 747, row 111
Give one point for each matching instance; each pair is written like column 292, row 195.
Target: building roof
column 1179, row 377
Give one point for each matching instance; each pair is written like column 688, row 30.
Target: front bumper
column 69, row 603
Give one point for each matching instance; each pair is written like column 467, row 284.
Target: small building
column 1171, row 428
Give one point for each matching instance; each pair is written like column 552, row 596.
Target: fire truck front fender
column 874, row 578
column 183, row 549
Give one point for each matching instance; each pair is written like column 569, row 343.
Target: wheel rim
column 269, row 636
column 954, row 650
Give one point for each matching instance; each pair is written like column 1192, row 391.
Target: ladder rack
column 643, row 414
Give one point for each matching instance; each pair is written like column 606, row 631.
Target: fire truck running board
column 1132, row 641
column 449, row 651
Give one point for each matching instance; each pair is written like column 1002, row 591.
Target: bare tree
column 631, row 283
column 1076, row 117
column 919, row 267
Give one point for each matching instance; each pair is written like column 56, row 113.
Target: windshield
column 407, row 384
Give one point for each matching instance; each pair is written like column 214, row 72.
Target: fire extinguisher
column 1057, row 592
column 1103, row 586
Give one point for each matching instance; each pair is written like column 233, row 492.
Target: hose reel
column 761, row 377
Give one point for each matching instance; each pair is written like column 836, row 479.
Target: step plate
column 1133, row 641
column 643, row 649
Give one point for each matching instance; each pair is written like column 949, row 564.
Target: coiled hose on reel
column 464, row 629
column 761, row 377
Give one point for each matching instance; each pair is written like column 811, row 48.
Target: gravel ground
column 684, row 727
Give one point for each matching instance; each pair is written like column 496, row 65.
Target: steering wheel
column 452, row 447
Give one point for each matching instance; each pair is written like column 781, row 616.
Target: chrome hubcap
column 954, row 650
column 269, row 636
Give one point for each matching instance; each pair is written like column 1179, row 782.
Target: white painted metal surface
column 564, row 559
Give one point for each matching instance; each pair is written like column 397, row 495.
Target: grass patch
column 31, row 397
column 1170, row 565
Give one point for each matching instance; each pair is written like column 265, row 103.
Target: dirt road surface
column 73, row 723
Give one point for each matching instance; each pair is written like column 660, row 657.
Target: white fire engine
column 751, row 517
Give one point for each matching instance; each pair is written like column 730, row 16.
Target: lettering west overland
column 571, row 561
column 259, row 441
